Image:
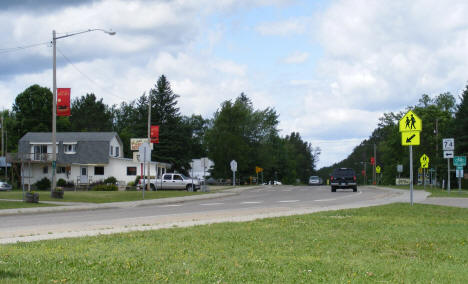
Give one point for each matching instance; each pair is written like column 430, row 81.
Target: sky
column 329, row 68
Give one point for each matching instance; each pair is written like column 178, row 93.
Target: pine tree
column 461, row 125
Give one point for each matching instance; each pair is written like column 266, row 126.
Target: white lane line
column 251, row 202
column 211, row 204
column 288, row 201
column 171, row 205
column 325, row 199
column 286, row 189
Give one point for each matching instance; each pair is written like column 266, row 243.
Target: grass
column 435, row 192
column 100, row 196
column 20, row 204
column 393, row 243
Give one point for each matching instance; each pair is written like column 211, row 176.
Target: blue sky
column 329, row 68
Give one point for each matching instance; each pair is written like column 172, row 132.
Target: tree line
column 441, row 118
column 237, row 131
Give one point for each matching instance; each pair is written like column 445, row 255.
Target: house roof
column 69, row 136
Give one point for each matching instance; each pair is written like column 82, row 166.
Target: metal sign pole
column 411, row 173
column 144, row 161
column 233, row 178
column 448, row 175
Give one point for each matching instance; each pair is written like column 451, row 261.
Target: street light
column 54, row 99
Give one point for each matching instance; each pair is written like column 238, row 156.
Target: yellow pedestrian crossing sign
column 410, row 122
column 378, row 169
column 424, row 161
column 410, row 138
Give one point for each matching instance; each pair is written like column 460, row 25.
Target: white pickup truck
column 172, row 181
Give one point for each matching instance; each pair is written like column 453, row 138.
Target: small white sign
column 136, row 157
column 448, row 144
column 234, row 166
column 400, row 168
column 459, row 173
column 448, row 154
column 145, row 152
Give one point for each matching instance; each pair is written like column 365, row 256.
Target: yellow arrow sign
column 410, row 122
column 424, row 161
column 410, row 138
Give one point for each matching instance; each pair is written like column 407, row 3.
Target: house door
column 84, row 175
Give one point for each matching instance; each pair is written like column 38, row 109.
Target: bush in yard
column 110, row 180
column 61, row 182
column 105, row 187
column 43, row 184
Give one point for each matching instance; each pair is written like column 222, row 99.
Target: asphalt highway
column 260, row 202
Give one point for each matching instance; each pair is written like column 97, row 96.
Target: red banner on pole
column 154, row 133
column 63, row 101
column 372, row 160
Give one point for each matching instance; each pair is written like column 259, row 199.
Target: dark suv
column 343, row 178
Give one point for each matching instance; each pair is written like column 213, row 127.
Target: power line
column 87, row 77
column 18, row 48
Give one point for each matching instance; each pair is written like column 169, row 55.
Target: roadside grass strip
column 393, row 243
column 101, row 196
column 20, row 204
column 435, row 192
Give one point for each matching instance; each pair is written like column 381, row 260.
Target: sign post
column 448, row 145
column 233, row 169
column 145, row 155
column 459, row 162
column 410, row 126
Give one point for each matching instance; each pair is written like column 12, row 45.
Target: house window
column 61, row 170
column 117, row 151
column 45, row 170
column 112, row 151
column 69, row 148
column 98, row 171
column 131, row 171
column 40, row 152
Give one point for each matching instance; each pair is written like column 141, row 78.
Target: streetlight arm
column 86, row 31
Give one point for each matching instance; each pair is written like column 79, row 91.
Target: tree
column 461, row 125
column 90, row 115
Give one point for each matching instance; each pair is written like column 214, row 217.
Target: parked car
column 343, row 178
column 315, row 180
column 4, row 186
column 172, row 181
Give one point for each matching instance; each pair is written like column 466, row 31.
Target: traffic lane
column 290, row 197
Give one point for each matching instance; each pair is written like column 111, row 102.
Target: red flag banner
column 63, row 101
column 154, row 133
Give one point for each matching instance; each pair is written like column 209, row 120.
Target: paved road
column 261, row 202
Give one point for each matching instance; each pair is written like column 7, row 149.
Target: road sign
column 459, row 161
column 448, row 144
column 399, row 168
column 234, row 166
column 145, row 152
column 410, row 122
column 424, row 161
column 377, row 169
column 459, row 173
column 410, row 138
column 448, row 154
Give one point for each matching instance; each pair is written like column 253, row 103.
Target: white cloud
column 283, row 28
column 296, row 58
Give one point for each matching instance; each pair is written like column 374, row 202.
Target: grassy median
column 101, row 196
column 435, row 191
column 394, row 243
column 20, row 204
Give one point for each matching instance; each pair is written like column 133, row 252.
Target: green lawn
column 20, row 204
column 435, row 192
column 386, row 244
column 100, row 196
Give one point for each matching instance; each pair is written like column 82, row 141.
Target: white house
column 82, row 158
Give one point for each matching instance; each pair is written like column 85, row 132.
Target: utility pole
column 54, row 110
column 3, row 126
column 148, row 187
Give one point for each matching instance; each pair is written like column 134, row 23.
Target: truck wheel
column 355, row 189
column 153, row 188
column 189, row 187
column 333, row 189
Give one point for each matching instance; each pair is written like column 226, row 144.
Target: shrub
column 105, row 187
column 43, row 184
column 110, row 180
column 61, row 182
column 131, row 183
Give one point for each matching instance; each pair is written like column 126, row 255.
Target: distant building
column 82, row 157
